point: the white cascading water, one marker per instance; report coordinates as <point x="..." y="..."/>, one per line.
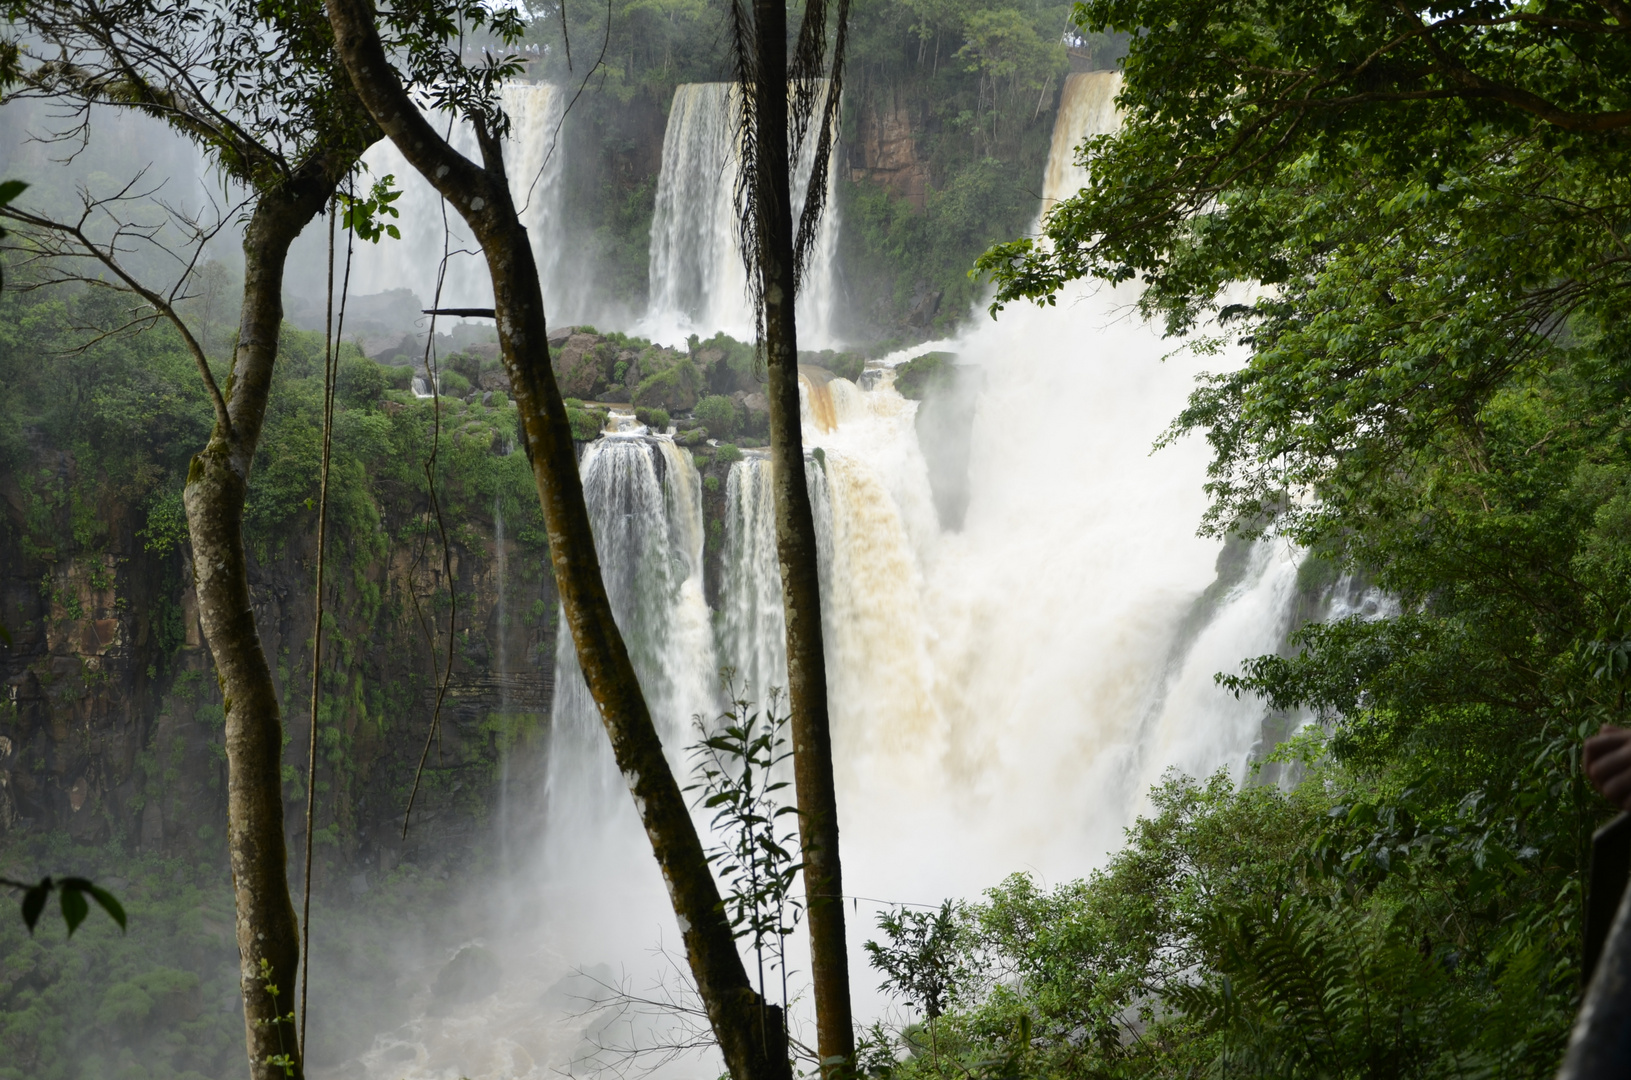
<point x="1002" y="695"/>
<point x="533" y="158"/>
<point x="697" y="278"/>
<point x="645" y="502"/>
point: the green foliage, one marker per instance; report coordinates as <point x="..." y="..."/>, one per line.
<point x="166" y="527"/>
<point x="359" y="382"/>
<point x="1225" y="938"/>
<point x="737" y="760"/>
<point x="1435" y="402"/>
<point x="727" y="454"/>
<point x="452" y="383"/>
<point x="978" y="85"/>
<point x="718" y="415"/>
<point x="731" y="365"/>
<point x="846" y="365"/>
<point x="130" y="410"/>
<point x="399" y="378"/>
<point x="366" y="216"/>
<point x="71" y="893"/>
<point x="284" y="1023"/>
<point x="919" y="960"/>
<point x="655" y="419"/>
<point x="587" y="424"/>
<point x="379" y="448"/>
<point x="903" y="254"/>
<point x="674" y="389"/>
<point x="108" y="1001"/>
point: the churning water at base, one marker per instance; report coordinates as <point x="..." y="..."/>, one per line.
<point x="1003" y="693"/>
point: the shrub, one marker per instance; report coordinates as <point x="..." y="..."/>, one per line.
<point x="359" y="381"/>
<point x="454" y="384"/>
<point x="718" y="414"/>
<point x="586" y="423"/>
<point x="655" y="419"/>
<point x="726" y="454"/>
<point x="465" y="364"/>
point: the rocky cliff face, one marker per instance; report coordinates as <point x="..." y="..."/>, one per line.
<point x="111" y="725"/>
<point x="883" y="150"/>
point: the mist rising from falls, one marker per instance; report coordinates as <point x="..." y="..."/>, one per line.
<point x="533" y="158"/>
<point x="697" y="278"/>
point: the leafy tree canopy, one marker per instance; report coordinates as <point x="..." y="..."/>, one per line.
<point x="1433" y="208"/>
<point x="1414" y="223"/>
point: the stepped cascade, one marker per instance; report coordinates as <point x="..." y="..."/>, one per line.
<point x="698" y="281"/>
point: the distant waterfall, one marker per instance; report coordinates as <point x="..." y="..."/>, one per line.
<point x="697" y="279"/>
<point x="752" y="627"/>
<point x="1087" y="106"/>
<point x="532" y="157"/>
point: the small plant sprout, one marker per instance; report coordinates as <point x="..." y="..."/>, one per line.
<point x="737" y="760"/>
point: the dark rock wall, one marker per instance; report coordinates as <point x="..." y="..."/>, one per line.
<point x="111" y="723"/>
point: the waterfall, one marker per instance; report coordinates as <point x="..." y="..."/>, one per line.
<point x="1002" y="692"/>
<point x="645" y="504"/>
<point x="533" y="158"/>
<point x="697" y="278"/>
<point x="1087" y="106"/>
<point x="1004" y="696"/>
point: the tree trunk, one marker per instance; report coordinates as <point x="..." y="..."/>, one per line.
<point x="217" y="482"/>
<point x="796" y="551"/>
<point x="750" y="1032"/>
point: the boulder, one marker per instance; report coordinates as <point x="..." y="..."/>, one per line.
<point x="923" y="312"/>
<point x="495" y="379"/>
<point x="578" y="366"/>
<point x="674" y="389"/>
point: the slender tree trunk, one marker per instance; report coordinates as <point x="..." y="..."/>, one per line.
<point x="750" y="1032"/>
<point x="217" y="482"/>
<point x="796" y="551"/>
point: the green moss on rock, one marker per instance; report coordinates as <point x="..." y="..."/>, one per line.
<point x="921" y="375"/>
<point x="674" y="389"/>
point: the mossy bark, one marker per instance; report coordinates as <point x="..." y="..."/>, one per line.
<point x="217" y="484"/>
<point x="796" y="550"/>
<point x="750" y="1032"/>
